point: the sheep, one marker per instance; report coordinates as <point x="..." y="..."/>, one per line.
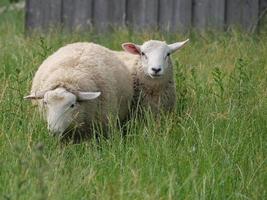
<point x="152" y="70"/>
<point x="79" y="84"/>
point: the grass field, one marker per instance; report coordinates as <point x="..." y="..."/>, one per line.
<point x="213" y="146"/>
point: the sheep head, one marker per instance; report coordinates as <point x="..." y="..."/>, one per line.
<point x="154" y="55"/>
<point x="61" y="107"/>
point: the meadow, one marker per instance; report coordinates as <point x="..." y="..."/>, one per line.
<point x="213" y="146"/>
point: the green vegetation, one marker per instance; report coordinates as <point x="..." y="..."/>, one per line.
<point x="213" y="146"/>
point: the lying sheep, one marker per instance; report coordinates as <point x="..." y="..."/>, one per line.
<point x="152" y="70"/>
<point x="79" y="84"/>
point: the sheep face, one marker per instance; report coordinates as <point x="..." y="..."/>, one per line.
<point x="62" y="108"/>
<point x="154" y="55"/>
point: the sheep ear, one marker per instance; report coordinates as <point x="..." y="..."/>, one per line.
<point x="35" y="96"/>
<point x="84" y="96"/>
<point x="131" y="48"/>
<point x="178" y="45"/>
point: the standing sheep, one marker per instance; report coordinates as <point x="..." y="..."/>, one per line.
<point x="79" y="84"/>
<point x="152" y="70"/>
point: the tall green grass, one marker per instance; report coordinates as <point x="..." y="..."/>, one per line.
<point x="212" y="147"/>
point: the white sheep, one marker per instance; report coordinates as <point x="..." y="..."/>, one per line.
<point x="152" y="70"/>
<point x="68" y="83"/>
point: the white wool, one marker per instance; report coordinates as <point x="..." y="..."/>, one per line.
<point x="152" y="73"/>
<point x="87" y="67"/>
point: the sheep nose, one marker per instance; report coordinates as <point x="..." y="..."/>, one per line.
<point x="156" y="70"/>
<point x="50" y="128"/>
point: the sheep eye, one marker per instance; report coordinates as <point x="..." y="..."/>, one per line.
<point x="168" y="54"/>
<point x="45" y="103"/>
<point x="143" y="54"/>
<point x="72" y="105"/>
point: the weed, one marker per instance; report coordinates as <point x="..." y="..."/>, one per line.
<point x="212" y="147"/>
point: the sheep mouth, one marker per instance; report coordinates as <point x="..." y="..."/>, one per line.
<point x="155" y="76"/>
<point x="61" y="135"/>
